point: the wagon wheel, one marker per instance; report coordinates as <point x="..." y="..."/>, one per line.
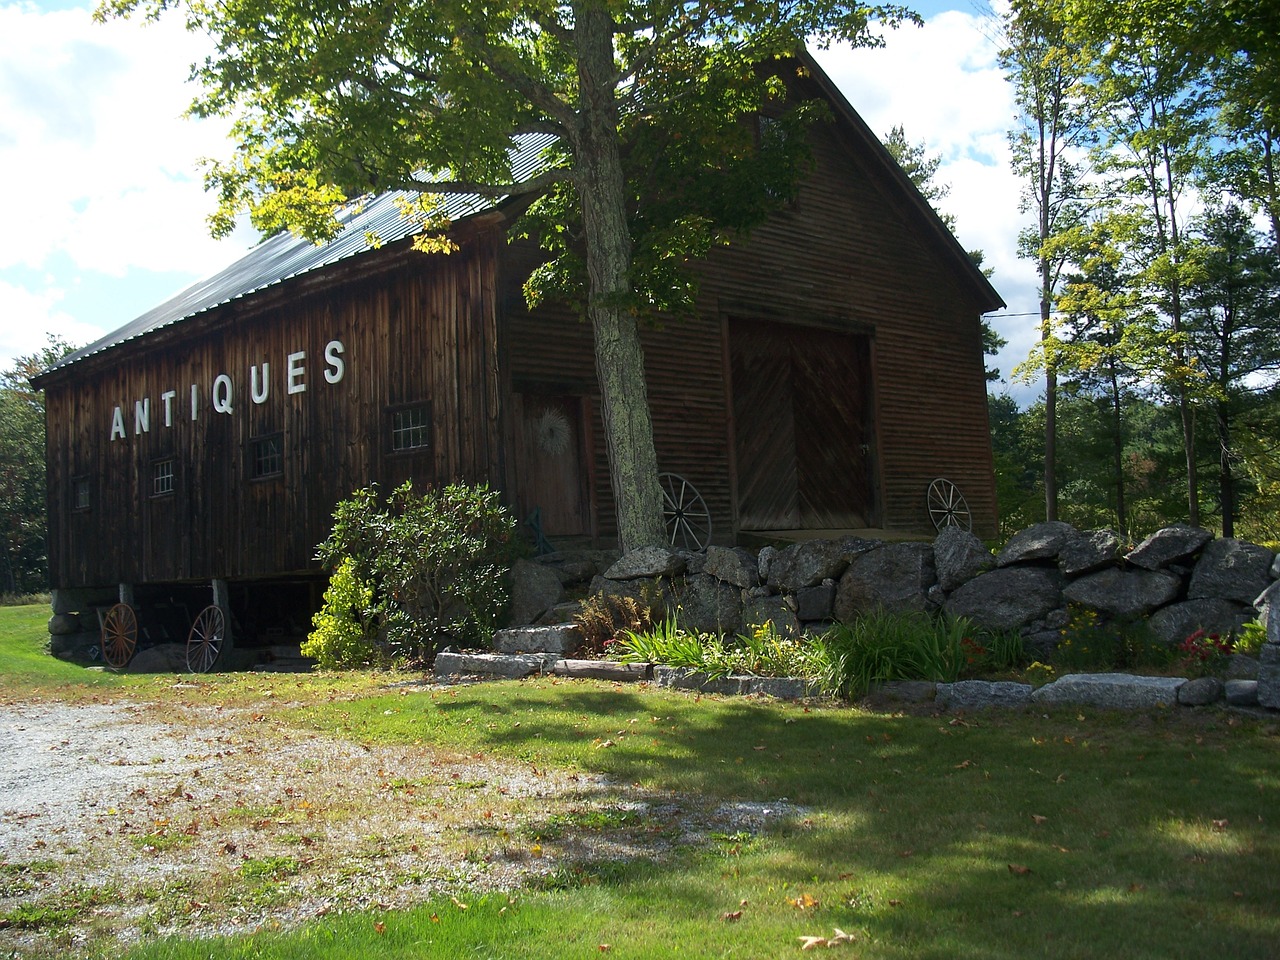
<point x="947" y="506"/>
<point x="206" y="638"/>
<point x="119" y="635"/>
<point x="686" y="515"/>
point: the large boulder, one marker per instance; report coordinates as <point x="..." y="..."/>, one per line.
<point x="1124" y="593"/>
<point x="807" y="564"/>
<point x="1040" y="541"/>
<point x="646" y="563"/>
<point x="535" y="589"/>
<point x="732" y="565"/>
<point x="1168" y="545"/>
<point x="758" y="611"/>
<point x="1269" y="675"/>
<point x="1231" y="569"/>
<point x="1172" y="624"/>
<point x="895" y="577"/>
<point x="709" y="606"/>
<point x="1089" y="551"/>
<point x="64" y="624"/>
<point x="1008" y="599"/>
<point x="959" y="556"/>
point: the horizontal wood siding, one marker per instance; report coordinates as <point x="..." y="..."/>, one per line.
<point x="850" y="253"/>
<point x="422" y="332"/>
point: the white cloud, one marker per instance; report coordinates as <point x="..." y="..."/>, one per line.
<point x="26" y="317"/>
<point x="91" y="130"/>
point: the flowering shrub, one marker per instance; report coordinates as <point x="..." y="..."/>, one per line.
<point x="1204" y="653"/>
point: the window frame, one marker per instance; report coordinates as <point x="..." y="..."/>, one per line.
<point x="158" y="476"/>
<point x="81" y="483"/>
<point x="424" y="429"/>
<point x="255" y="458"/>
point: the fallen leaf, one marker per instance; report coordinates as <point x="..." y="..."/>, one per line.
<point x="605" y="947"/>
<point x="1037" y="819"/>
<point x="1018" y="870"/>
<point x="803" y="902"/>
<point x="1221" y="824"/>
<point x="964" y="765"/>
<point x="895" y="903"/>
<point x="1137" y="887"/>
<point x="810" y="943"/>
<point x="379" y="928"/>
<point x="731" y="916"/>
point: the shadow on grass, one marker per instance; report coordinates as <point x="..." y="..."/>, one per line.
<point x="996" y="836"/>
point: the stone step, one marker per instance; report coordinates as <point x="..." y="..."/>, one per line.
<point x="560" y="639"/>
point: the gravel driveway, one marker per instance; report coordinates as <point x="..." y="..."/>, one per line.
<point x="121" y="821"/>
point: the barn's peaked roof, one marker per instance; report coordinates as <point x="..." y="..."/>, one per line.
<point x="284" y="256"/>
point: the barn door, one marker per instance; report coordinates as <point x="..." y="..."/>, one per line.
<point x="553" y="478"/>
<point x="801" y="406"/>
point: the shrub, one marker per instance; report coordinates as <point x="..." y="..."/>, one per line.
<point x="435" y="563"/>
<point x="343" y="634"/>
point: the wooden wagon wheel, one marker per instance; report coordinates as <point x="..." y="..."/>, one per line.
<point x="687" y="518"/>
<point x="947" y="506"/>
<point x="119" y="635"/>
<point x="204" y="642"/>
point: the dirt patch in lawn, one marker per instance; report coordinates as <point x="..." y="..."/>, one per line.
<point x="121" y="821"/>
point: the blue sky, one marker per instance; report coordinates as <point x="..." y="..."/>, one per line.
<point x="106" y="209"/>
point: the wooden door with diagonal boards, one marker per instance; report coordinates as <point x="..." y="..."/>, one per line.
<point x="802" y="427"/>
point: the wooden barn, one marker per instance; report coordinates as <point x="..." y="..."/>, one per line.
<point x="833" y="370"/>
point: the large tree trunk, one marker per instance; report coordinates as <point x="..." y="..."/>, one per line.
<point x="1226" y="479"/>
<point x="1117" y="453"/>
<point x="624" y="401"/>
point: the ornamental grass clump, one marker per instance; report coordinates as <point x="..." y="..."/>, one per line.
<point x="884" y="646"/>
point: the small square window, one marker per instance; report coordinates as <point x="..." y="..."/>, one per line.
<point x="267" y="457"/>
<point x="411" y="427"/>
<point x="161" y="478"/>
<point x="80" y="491"/>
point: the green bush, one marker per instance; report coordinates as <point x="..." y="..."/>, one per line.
<point x="343" y="634"/>
<point x="434" y="563"/>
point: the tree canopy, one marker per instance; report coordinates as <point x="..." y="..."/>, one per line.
<point x="646" y="100"/>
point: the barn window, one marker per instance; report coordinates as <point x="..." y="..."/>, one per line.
<point x="410" y="427"/>
<point x="267" y="457"/>
<point x="161" y="478"/>
<point x="80" y="493"/>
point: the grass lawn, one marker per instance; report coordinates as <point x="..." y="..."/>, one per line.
<point x="997" y="835"/>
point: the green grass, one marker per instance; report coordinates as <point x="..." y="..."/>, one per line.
<point x="25" y="663"/>
<point x="1065" y="834"/>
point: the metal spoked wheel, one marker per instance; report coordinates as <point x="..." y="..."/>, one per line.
<point x="687" y="518"/>
<point x="205" y="641"/>
<point x="119" y="635"/>
<point x="947" y="506"/>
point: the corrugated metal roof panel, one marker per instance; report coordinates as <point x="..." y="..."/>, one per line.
<point x="285" y="256"/>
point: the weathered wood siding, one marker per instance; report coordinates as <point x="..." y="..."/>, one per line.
<point x="420" y="331"/>
<point x="850" y="255"/>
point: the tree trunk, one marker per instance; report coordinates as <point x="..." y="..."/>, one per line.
<point x="1050" y="390"/>
<point x="1226" y="482"/>
<point x="1117" y="453"/>
<point x="624" y="401"/>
